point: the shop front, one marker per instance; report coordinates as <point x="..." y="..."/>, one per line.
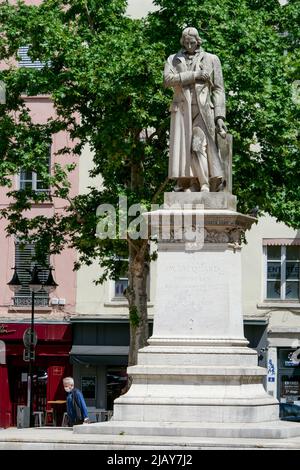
<point x="288" y="376"/>
<point x="99" y="357"/>
<point x="284" y="364"/>
<point x="51" y="364"/>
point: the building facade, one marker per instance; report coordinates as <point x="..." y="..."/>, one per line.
<point x="52" y="312"/>
<point x="83" y="328"/>
<point x="271" y="303"/>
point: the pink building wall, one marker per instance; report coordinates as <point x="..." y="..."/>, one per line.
<point x="41" y="110"/>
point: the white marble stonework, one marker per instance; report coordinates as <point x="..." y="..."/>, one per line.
<point x="197" y="373"/>
<point x="204" y="284"/>
<point x="197" y="367"/>
<point x="197" y="377"/>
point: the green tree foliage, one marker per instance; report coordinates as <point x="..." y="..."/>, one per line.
<point x="104" y="74"/>
<point x="258" y="44"/>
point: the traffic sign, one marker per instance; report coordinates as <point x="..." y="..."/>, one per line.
<point x="27" y="338"/>
<point x="27" y="354"/>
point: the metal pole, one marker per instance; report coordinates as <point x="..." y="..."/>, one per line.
<point x="30" y="376"/>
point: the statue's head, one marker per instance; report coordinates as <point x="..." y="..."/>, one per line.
<point x="190" y="39"/>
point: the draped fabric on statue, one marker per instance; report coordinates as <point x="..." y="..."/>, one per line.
<point x="210" y="97"/>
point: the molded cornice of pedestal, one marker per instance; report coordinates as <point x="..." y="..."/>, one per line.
<point x="164" y="373"/>
<point x="217" y="225"/>
<point x="220" y="200"/>
<point x="196" y="341"/>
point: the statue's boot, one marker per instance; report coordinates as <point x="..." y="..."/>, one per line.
<point x="180" y="185"/>
<point x="216" y="184"/>
<point x="194" y="186"/>
<point x="178" y="188"/>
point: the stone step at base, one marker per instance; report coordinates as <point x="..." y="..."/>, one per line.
<point x="265" y="430"/>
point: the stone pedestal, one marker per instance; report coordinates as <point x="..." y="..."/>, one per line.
<point x="197" y="377"/>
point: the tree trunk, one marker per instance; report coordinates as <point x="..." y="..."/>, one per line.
<point x="136" y="292"/>
<point x="137" y="298"/>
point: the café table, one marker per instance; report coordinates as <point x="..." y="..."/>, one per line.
<point x="56" y="404"/>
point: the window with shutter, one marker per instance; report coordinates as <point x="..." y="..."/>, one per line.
<point x="32" y="180"/>
<point x="24" y="256"/>
<point x="121" y="283"/>
<point x="283" y="272"/>
<point x="25" y="60"/>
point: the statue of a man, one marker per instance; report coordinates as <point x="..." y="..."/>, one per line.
<point x="197" y="115"/>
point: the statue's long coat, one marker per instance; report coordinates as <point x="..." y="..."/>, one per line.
<point x="211" y="103"/>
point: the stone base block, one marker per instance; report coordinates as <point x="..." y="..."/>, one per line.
<point x="207" y="412"/>
<point x="197" y="384"/>
<point x="220" y="200"/>
<point x="194" y="355"/>
<point x="268" y="430"/>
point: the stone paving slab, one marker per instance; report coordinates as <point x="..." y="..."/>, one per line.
<point x="61" y="439"/>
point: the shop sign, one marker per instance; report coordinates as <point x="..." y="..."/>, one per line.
<point x="292" y="359"/>
<point x="290" y="387"/>
<point x="289" y="357"/>
<point x="4" y="330"/>
<point x="57" y="370"/>
<point x="271" y="371"/>
<point x="295" y="357"/>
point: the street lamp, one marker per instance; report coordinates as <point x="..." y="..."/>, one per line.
<point x="35" y="285"/>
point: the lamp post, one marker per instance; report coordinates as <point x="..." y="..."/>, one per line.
<point x="35" y="285"/>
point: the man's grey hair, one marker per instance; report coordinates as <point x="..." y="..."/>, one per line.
<point x="68" y="380"/>
<point x="190" y="32"/>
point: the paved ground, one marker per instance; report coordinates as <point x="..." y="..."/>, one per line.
<point x="63" y="438"/>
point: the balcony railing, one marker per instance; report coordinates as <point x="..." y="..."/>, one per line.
<point x="26" y="301"/>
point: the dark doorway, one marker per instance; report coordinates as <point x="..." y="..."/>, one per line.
<point x="18" y="382"/>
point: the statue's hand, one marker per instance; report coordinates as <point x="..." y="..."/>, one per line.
<point x="201" y="76"/>
<point x="221" y="128"/>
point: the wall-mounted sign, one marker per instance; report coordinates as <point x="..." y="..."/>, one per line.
<point x="295" y="357"/>
<point x="290" y="387"/>
<point x="289" y="358"/>
<point x="28" y="355"/>
<point x="58" y="370"/>
<point x="271" y="371"/>
<point x="5" y="331"/>
<point x="27" y="338"/>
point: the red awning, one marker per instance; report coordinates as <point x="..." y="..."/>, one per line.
<point x="57" y="350"/>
